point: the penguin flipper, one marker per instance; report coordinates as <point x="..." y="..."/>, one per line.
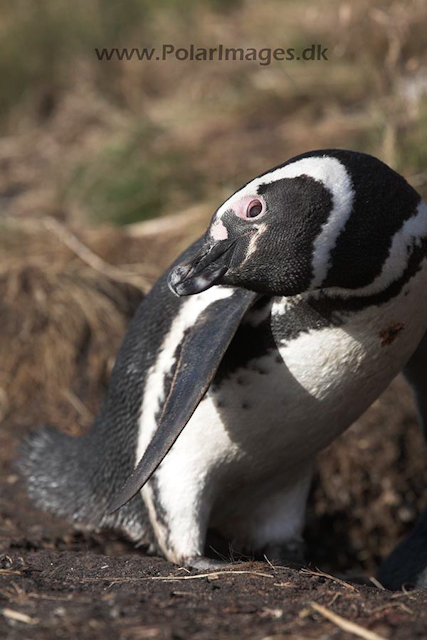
<point x="199" y="358"/>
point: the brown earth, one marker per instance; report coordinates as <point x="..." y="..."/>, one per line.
<point x="59" y="584"/>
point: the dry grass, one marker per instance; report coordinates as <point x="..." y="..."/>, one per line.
<point x="66" y="298"/>
<point x="124" y="141"/>
<point x="61" y="324"/>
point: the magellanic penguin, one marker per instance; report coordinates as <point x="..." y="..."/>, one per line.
<point x="264" y="341"/>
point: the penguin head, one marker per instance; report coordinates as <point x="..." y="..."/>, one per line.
<point x="325" y="219"/>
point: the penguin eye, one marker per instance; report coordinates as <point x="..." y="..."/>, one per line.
<point x="249" y="207"/>
<point x="254" y="209"/>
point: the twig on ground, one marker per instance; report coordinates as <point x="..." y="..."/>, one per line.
<point x="335" y="597"/>
<point x="347" y="585"/>
<point x="178" y="578"/>
<point x="18" y="616"/>
<point x="346" y="625"/>
<point x="377" y="583"/>
<point x="403" y="593"/>
<point x="390" y="605"/>
<point x="269" y="562"/>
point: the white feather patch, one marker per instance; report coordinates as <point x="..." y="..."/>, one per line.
<point x="154" y="392"/>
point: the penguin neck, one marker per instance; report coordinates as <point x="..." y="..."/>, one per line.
<point x="407" y="255"/>
<point x="327" y="308"/>
<point x="334" y="300"/>
<point x="371" y="315"/>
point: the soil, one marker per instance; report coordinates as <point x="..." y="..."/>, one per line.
<point x="56" y="583"/>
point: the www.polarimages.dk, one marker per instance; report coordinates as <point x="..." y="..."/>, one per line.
<point x="263" y="56"/>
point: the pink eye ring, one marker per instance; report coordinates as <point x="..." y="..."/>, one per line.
<point x="254" y="209"/>
<point x="250" y="207"/>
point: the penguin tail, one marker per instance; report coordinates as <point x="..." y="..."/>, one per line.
<point x="63" y="478"/>
<point x="49" y="464"/>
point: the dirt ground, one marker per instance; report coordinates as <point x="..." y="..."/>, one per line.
<point x="56" y="583"/>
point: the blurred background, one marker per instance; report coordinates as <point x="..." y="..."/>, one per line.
<point x="109" y="168"/>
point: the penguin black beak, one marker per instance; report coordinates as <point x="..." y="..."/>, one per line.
<point x="204" y="270"/>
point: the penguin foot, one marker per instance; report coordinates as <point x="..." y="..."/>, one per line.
<point x="291" y="553"/>
<point x="205" y="564"/>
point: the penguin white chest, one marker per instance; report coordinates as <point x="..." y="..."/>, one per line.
<point x="282" y="407"/>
